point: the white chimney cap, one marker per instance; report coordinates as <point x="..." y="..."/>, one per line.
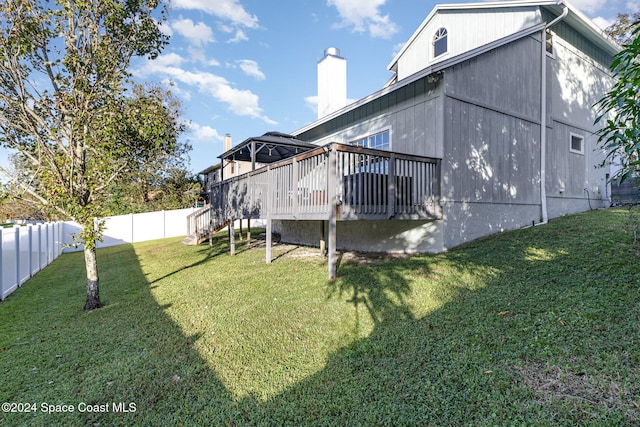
<point x="333" y="51"/>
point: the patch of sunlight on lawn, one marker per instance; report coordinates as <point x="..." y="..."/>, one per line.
<point x="262" y="328"/>
<point x="540" y="254"/>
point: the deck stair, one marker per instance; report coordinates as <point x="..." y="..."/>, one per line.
<point x="201" y="224"/>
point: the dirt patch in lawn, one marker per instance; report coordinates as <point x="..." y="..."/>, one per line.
<point x="554" y="385"/>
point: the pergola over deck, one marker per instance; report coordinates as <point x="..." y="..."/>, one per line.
<point x="335" y="182"/>
<point x="268" y="148"/>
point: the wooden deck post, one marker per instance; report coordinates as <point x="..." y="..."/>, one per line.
<point x="269" y="205"/>
<point x="333" y="207"/>
<point x="323" y="239"/>
<point x="210" y="234"/>
<point x="232" y="238"/>
<point x="268" y="236"/>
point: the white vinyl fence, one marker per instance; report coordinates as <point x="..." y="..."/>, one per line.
<point x="25" y="250"/>
<point x="134" y="228"/>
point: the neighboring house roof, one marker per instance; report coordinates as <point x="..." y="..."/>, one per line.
<point x="270" y="147"/>
<point x="210" y="169"/>
<point x="574" y="18"/>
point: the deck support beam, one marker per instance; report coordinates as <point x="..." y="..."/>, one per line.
<point x="323" y="239"/>
<point x="268" y="237"/>
<point x="232" y="238"/>
<point x="333" y="211"/>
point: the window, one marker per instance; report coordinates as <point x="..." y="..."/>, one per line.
<point x="379" y="141"/>
<point x="577" y="144"/>
<point x="369" y="163"/>
<point x="549" y="43"/>
<point x="440" y="42"/>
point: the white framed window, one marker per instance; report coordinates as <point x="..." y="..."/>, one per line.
<point x="576" y="143"/>
<point x="440" y="42"/>
<point x="380" y="140"/>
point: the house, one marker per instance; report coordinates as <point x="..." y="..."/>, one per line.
<point x="486" y="125"/>
<point x="216" y="173"/>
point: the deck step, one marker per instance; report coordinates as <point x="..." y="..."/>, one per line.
<point x="196" y="239"/>
<point x="190" y="240"/>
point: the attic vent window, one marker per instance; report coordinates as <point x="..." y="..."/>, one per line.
<point x="549" y="43"/>
<point x="440" y="42"/>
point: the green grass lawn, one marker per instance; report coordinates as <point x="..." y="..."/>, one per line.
<point x="539" y="326"/>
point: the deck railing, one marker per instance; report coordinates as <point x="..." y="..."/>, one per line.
<point x="364" y="184"/>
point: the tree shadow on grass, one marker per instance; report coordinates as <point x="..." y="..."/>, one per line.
<point x="128" y="356"/>
<point x="526" y="330"/>
<point x="535" y="329"/>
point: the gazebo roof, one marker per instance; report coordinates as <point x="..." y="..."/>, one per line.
<point x="270" y="147"/>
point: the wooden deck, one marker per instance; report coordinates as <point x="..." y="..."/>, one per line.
<point x="336" y="182"/>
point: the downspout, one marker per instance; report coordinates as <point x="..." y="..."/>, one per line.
<point x="543" y="115"/>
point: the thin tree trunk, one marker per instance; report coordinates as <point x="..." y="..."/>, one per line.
<point x="93" y="292"/>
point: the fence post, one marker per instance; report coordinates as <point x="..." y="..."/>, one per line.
<point x="1" y="268"/>
<point x="16" y="230"/>
<point x="39" y="247"/>
<point x="30" y="231"/>
<point x="57" y="237"/>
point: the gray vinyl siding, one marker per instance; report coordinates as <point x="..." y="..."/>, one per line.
<point x="489" y="25"/>
<point x="490" y="157"/>
<point x="577" y="40"/>
<point x="492" y="130"/>
<point x="506" y="79"/>
<point x="412" y="113"/>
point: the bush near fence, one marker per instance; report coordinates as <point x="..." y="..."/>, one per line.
<point x="25" y="250"/>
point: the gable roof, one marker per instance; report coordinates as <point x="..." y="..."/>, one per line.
<point x="575" y="18"/>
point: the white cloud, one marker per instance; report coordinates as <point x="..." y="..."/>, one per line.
<point x="633" y="6"/>
<point x="364" y="15"/>
<point x="251" y="68"/>
<point x="312" y="103"/>
<point x="240" y="102"/>
<point x="204" y="133"/>
<point x="230" y="10"/>
<point x="588" y="6"/>
<point x="197" y="34"/>
<point x="183" y="95"/>
<point x="240" y="36"/>
<point x="168" y="59"/>
<point x="603" y="23"/>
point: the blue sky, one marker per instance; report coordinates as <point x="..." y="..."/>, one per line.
<point x="245" y="67"/>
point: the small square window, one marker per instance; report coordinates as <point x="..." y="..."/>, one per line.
<point x="577" y="144"/>
<point x="549" y="43"/>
